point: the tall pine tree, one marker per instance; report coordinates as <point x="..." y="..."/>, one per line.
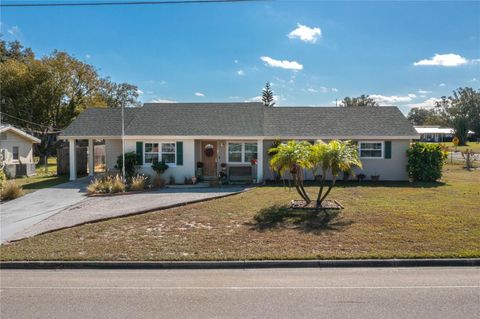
<point x="267" y="95"/>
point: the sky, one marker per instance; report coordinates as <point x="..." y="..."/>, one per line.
<point x="313" y="52"/>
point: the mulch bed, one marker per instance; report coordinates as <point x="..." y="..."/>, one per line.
<point x="327" y="204"/>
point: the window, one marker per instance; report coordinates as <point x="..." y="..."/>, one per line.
<point x="241" y="152"/>
<point x="155" y="152"/>
<point x="15" y="153"/>
<point x="235" y="152"/>
<point x="151" y="153"/>
<point x="371" y="149"/>
<point x="250" y="152"/>
<point x="168" y="153"/>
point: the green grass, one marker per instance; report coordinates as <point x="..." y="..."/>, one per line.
<point x="384" y="220"/>
<point x="42" y="179"/>
<point x="470" y="145"/>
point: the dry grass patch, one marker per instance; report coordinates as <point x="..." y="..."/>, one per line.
<point x="397" y="220"/>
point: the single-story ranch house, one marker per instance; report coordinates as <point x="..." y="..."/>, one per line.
<point x="227" y="136"/>
<point x="16" y="147"/>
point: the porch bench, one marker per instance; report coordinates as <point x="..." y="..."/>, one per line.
<point x="241" y="174"/>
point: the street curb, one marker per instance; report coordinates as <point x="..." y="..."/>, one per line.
<point x="253" y="264"/>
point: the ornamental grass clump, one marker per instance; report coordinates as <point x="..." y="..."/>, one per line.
<point x="10" y="190"/>
<point x="107" y="184"/>
<point x="139" y="182"/>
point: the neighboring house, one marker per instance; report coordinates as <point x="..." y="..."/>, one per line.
<point x="17" y="151"/>
<point x="226" y="136"/>
<point x="435" y="133"/>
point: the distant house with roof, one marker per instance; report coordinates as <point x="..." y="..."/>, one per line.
<point x="16" y="147"/>
<point x="225" y="137"/>
<point x="435" y="133"/>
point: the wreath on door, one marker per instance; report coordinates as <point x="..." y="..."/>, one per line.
<point x="209" y="150"/>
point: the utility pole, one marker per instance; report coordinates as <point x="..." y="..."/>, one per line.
<point x="123" y="141"/>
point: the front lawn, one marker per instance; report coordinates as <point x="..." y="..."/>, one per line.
<point x="396" y="220"/>
<point x="42" y="179"/>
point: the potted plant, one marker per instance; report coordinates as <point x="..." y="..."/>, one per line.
<point x="361" y="177"/>
<point x="318" y="177"/>
<point x="199" y="169"/>
<point x="159" y="167"/>
<point x="254" y="162"/>
<point x="375" y="177"/>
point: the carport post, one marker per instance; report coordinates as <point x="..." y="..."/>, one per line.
<point x="91" y="163"/>
<point x="72" y="159"/>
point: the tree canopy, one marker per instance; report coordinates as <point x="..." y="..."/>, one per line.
<point x="44" y="95"/>
<point x="362" y="100"/>
<point x="267" y="95"/>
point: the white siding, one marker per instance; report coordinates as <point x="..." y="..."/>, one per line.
<point x="179" y="172"/>
<point x="25" y="148"/>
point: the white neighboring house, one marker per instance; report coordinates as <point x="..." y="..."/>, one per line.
<point x="435" y="133"/>
<point x="16" y="147"/>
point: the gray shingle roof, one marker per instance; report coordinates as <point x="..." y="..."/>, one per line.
<point x="336" y="121"/>
<point x="241" y="119"/>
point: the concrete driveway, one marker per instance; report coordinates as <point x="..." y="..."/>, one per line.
<point x="20" y="214"/>
<point x="90" y="209"/>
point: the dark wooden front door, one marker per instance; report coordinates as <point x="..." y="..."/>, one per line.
<point x="209" y="158"/>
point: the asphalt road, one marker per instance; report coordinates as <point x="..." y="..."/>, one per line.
<point x="266" y="293"/>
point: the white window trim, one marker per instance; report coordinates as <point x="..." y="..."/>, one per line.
<point x="382" y="149"/>
<point x="242" y="153"/>
<point x="16" y="160"/>
<point x="170" y="165"/>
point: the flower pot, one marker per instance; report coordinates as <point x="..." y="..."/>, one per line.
<point x="199" y="172"/>
<point x="375" y="178"/>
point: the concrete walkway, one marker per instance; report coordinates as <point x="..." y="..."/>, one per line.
<point x="19" y="214"/>
<point x="103" y="207"/>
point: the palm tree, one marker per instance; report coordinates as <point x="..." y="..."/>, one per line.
<point x="292" y="157"/>
<point x="338" y="157"/>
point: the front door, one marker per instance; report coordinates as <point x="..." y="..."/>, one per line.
<point x="209" y="158"/>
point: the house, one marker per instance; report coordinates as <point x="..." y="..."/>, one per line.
<point x="16" y="148"/>
<point x="226" y="136"/>
<point x="435" y="133"/>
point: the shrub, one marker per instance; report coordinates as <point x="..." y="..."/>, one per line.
<point x="158" y="181"/>
<point x="425" y="161"/>
<point x="11" y="191"/>
<point x="139" y="183"/>
<point x="159" y="167"/>
<point x="130" y="162"/>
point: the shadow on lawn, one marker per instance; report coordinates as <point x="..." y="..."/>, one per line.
<point x="305" y="220"/>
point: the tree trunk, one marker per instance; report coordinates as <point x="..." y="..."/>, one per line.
<point x="328" y="190"/>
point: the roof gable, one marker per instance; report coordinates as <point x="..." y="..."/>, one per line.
<point x="31" y="138"/>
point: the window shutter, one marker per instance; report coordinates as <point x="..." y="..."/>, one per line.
<point x="139" y="153"/>
<point x="180" y="153"/>
<point x="388" y="149"/>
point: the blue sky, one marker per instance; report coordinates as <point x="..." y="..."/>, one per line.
<point x="313" y="52"/>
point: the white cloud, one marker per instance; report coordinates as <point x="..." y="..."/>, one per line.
<point x="160" y="100"/>
<point x="15" y="31"/>
<point x="235" y="61"/>
<point x="276" y="98"/>
<point x="305" y="33"/>
<point x="284" y="64"/>
<point x="424" y="91"/>
<point x="448" y="60"/>
<point x="427" y="104"/>
<point x="199" y="94"/>
<point x="87" y="56"/>
<point x="139" y="91"/>
<point x="392" y="99"/>
<point x="473" y="80"/>
<point x="442" y="84"/>
<point x="240" y="72"/>
<point x="322" y="89"/>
